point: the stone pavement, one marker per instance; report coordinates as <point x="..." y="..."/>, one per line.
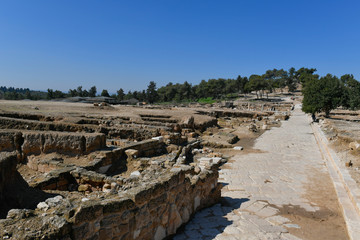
<point x="257" y="183"/>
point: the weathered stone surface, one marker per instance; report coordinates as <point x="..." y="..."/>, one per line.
<point x="132" y="153"/>
<point x="282" y="117"/>
<point x="188" y="122"/>
<point x="354" y="146"/>
<point x="31" y="142"/>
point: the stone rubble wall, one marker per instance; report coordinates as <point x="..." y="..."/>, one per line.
<point x="34" y="142"/>
<point x="154" y="209"/>
<point x="150" y="211"/>
<point x="136" y="132"/>
<point x="59" y="177"/>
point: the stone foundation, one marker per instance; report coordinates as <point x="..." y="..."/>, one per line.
<point x="31" y="142"/>
<point x="150" y="210"/>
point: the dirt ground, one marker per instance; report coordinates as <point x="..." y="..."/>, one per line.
<point x="324" y="224"/>
<point x="75" y="110"/>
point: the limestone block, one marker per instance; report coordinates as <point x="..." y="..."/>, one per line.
<point x="188" y="121"/>
<point x="238" y="148"/>
<point x="265" y="127"/>
<point x="132" y="153"/>
<point x="160" y="138"/>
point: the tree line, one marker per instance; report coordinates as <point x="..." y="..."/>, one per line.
<point x="320" y="93"/>
<point x="11" y="93"/>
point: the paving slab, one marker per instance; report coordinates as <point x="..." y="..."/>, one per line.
<point x="259" y="183"/>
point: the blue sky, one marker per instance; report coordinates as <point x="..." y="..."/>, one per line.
<point x="126" y="44"/>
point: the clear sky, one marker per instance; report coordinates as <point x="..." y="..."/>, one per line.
<point x="125" y="44"/>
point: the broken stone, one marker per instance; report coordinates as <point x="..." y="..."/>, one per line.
<point x="253" y="127"/>
<point x="132" y="153"/>
<point x="42" y="206"/>
<point x="188" y="121"/>
<point x="84" y="187"/>
<point x="53" y="202"/>
<point x="160" y="138"/>
<point x="233" y="139"/>
<point x="238" y="148"/>
<point x="135" y="174"/>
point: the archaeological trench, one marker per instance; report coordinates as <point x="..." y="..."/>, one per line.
<point x="115" y="172"/>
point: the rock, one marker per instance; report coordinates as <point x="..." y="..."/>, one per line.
<point x="19" y="213"/>
<point x="53" y="202"/>
<point x="42" y="206"/>
<point x="132" y="153"/>
<point x="188" y="121"/>
<point x="233" y="139"/>
<point x="265" y="127"/>
<point x="238" y="148"/>
<point x="114" y="185"/>
<point x="282" y="117"/>
<point x="172" y="148"/>
<point x="159" y="138"/>
<point x="135" y="174"/>
<point x="85" y="199"/>
<point x="215" y="154"/>
<point x="84" y="187"/>
<point x="253" y="127"/>
<point x="192" y="135"/>
<point x="177" y="128"/>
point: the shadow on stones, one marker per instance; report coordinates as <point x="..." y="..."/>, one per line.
<point x="17" y="194"/>
<point x="209" y="222"/>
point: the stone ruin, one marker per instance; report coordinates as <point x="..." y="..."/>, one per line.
<point x="98" y="177"/>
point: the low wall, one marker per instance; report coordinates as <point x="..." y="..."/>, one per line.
<point x="34" y="142"/>
<point x="151" y="211"/>
<point x="154" y="209"/>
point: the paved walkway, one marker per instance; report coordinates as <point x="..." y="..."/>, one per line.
<point x="257" y="183"/>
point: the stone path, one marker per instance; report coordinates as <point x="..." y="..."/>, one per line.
<point x="257" y="184"/>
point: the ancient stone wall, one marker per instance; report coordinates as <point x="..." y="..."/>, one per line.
<point x="31" y="142"/>
<point x="151" y="210"/>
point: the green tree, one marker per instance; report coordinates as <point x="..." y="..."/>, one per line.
<point x="351" y="97"/>
<point x="72" y="93"/>
<point x="50" y="94"/>
<point x="303" y="75"/>
<point x="120" y="94"/>
<point x="290" y="81"/>
<point x="58" y="94"/>
<point x="105" y="93"/>
<point x="241" y="83"/>
<point x="257" y="83"/>
<point x="79" y="91"/>
<point x="151" y="93"/>
<point x="28" y="95"/>
<point x="92" y="91"/>
<point x="322" y="95"/>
